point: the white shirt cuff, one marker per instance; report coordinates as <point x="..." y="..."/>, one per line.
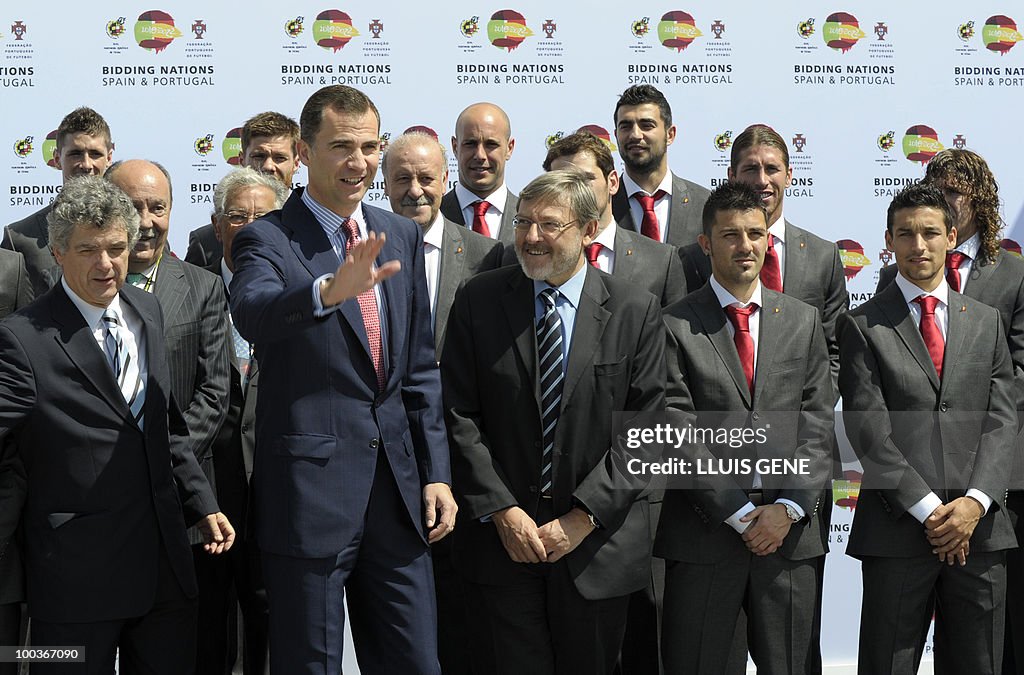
<point x="790" y="502"/>
<point x="733" y="521"/>
<point x="983" y="499"/>
<point x="924" y="508"/>
<point x="318" y="304"/>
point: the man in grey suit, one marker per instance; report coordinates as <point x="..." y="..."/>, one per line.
<point x="83" y="148"/>
<point x="743" y="357"/>
<point x="194" y="307"/>
<point x="797" y="262"/>
<point x="481" y="201"/>
<point x="415" y="172"/>
<point x="654" y="201"/>
<point x="927" y="384"/>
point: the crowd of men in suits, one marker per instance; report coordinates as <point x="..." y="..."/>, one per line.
<point x="476" y="358"/>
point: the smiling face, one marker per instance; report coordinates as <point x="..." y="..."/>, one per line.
<point x="642" y="138"/>
<point x="736" y="248"/>
<point x="553" y="258"/>
<point x="415" y="178"/>
<point x="83" y="155"/>
<point x="342" y="159"/>
<point x="147" y="187"/>
<point x="95" y="262"/>
<point x="920" y="241"/>
<point x="763" y="168"/>
<point x="482" y="144"/>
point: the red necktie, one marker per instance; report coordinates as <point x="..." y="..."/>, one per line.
<point x="368" y="307"/>
<point x="771" y="271"/>
<point x="953" y="261"/>
<point x="649" y="227"/>
<point x="930" y="330"/>
<point x="740" y="317"/>
<point x="479" y="224"/>
<point x="593" y="251"/>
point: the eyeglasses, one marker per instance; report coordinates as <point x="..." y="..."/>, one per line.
<point x="241" y="218"/>
<point x="548" y="227"/>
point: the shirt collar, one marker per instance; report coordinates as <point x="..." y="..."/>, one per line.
<point x="725" y="298"/>
<point x="912" y="292"/>
<point x="571" y="290"/>
<point x="496" y="199"/>
<point x="632" y="188"/>
<point x="435" y="234"/>
<point x="778" y="230"/>
<point x="93" y="315"/>
<point x="330" y="221"/>
<point x="149" y="271"/>
<point x="970" y="247"/>
<point x="607" y="237"/>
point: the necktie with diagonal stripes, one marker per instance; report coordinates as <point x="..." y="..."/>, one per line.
<point x="124" y="365"/>
<point x="549" y="352"/>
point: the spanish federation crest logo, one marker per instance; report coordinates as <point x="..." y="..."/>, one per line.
<point x="887" y="142"/>
<point x="551" y="139"/>
<point x="385" y="141"/>
<point x="116" y="27"/>
<point x="966" y="31"/>
<point x="470" y="26"/>
<point x="805" y="29"/>
<point x="959" y="142"/>
<point x="203" y="145"/>
<point x="723" y="141"/>
<point x="294" y="27"/>
<point x="199" y="28"/>
<point x="23" y="147"/>
<point x="641" y="27"/>
<point x="799" y="142"/>
<point x="376" y="28"/>
<point x="18" y="29"/>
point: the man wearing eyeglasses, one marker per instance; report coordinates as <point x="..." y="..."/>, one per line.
<point x="536" y="359"/>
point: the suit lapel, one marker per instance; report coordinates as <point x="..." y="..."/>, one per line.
<point x="453" y="262"/>
<point x="620" y="210"/>
<point x="957" y="317"/>
<point x="982" y="273"/>
<point x="893" y="305"/>
<point x="796" y="262"/>
<point x="772" y="324"/>
<point x="518" y="303"/>
<point x="677" y="214"/>
<point x="714" y="320"/>
<point x="626" y="261"/>
<point x="450" y="208"/>
<point x="170" y="288"/>
<point x="591" y="318"/>
<point x="507" y="234"/>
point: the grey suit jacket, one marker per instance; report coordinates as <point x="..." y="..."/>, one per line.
<point x="204" y="249"/>
<point x="464" y="253"/>
<point x="814" y="274"/>
<point x="916" y="434"/>
<point x="15" y="287"/>
<point x="684" y="215"/>
<point x="507" y="236"/>
<point x="792" y="395"/>
<point x="31" y="238"/>
<point x="197" y="334"/>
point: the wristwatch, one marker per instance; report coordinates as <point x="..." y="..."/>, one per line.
<point x="792" y="513"/>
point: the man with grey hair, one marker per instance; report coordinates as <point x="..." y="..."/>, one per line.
<point x="240" y="198"/>
<point x="536" y="357"/>
<point x="106" y="476"/>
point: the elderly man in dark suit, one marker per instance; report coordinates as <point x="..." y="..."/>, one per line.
<point x="84" y="148"/>
<point x="742" y="356"/>
<point x="106" y="476"/>
<point x="926" y="381"/>
<point x="555" y="536"/>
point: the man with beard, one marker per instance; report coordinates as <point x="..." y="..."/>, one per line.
<point x="653" y="201"/>
<point x="556" y="535"/>
<point x="482" y="144"/>
<point x="83" y="148"/>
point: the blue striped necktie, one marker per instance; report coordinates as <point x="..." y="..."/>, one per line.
<point x="123" y="365"/>
<point x="549" y="352"/>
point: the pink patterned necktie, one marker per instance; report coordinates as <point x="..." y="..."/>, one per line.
<point x="368" y="307"/>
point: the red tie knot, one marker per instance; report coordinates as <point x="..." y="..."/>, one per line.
<point x="954" y="259"/>
<point x="351" y="230"/>
<point x="593" y="251"/>
<point x="647" y="201"/>
<point x="928" y="303"/>
<point x="480" y="208"/>
<point x="740" y="316"/>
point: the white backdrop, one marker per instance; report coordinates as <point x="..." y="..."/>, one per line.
<point x="864" y="92"/>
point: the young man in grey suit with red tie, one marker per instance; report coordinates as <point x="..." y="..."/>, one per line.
<point x="742" y="357"/>
<point x="927" y="384"/>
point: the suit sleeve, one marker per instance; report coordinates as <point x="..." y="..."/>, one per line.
<point x="24" y="294"/>
<point x="1015" y="338"/>
<point x="195" y="254"/>
<point x="994" y="458"/>
<point x="609" y="490"/>
<point x="194" y="490"/>
<point x="675" y="280"/>
<point x="17" y="396"/>
<point x="837" y="301"/>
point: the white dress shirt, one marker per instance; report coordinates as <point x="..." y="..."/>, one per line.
<point x="969" y="248"/>
<point x="661" y="206"/>
<point x="778" y="231"/>
<point x="432" y="239"/>
<point x="496" y="199"/>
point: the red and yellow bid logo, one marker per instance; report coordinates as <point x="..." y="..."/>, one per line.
<point x="921" y="143"/>
<point x="507" y="29"/>
<point x="155" y="30"/>
<point x="1000" y="34"/>
<point x="841" y="31"/>
<point x="601" y="133"/>
<point x="677" y="30"/>
<point x="846" y="490"/>
<point x="49" y="149"/>
<point x="1011" y="247"/>
<point x="852" y="255"/>
<point x="231" y="147"/>
<point x="333" y="29"/>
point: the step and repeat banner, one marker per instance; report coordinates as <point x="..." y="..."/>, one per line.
<point x="865" y="93"/>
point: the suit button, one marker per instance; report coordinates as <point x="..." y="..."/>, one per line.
<point x="534" y="490"/>
<point x="755" y="416"/>
<point x="943" y="407"/>
<point x="536" y="444"/>
<point x="374" y="443"/>
<point x="245" y="428"/>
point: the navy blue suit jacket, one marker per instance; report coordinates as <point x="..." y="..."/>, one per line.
<point x="320" y="420"/>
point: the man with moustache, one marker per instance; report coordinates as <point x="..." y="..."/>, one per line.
<point x="194" y="307"/>
<point x="653" y="201"/>
<point x="926" y="381"/>
<point x="797" y="262"/>
<point x="270" y="146"/>
<point x="84" y="148"/>
<point x="556" y="533"/>
<point x="481" y="201"/>
<point x="415" y="174"/>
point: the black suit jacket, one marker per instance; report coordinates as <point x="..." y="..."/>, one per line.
<point x="507" y="235"/>
<point x="101" y="495"/>
<point x="684" y="214"/>
<point x="616" y="362"/>
<point x="204" y="249"/>
<point x="464" y="253"/>
<point x="30" y="237"/>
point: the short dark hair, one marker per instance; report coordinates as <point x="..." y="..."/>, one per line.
<point x="731" y="196"/>
<point x="271" y="124"/>
<point x="83" y="121"/>
<point x="919" y="195"/>
<point x="757" y="134"/>
<point x="640" y="94"/>
<point x="340" y="99"/>
<point x="581" y="141"/>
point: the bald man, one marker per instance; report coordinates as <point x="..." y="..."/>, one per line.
<point x="482" y="144"/>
